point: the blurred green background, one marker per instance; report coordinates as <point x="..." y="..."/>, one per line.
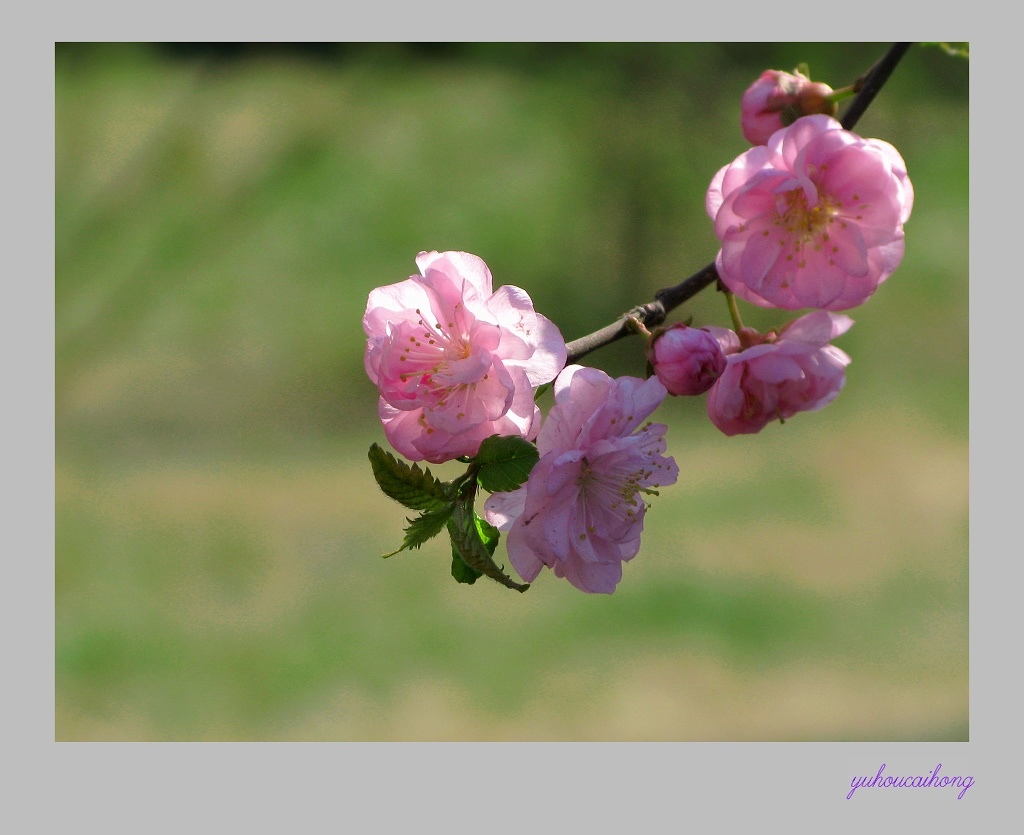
<point x="223" y="210"/>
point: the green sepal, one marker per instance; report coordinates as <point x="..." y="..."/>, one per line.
<point x="407" y="484"/>
<point x="423" y="527"/>
<point x="504" y="462"/>
<point x="473" y="542"/>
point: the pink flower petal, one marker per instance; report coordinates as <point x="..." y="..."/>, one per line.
<point x="584" y="509"/>
<point x="812" y="219"/>
<point x="454" y="362"/>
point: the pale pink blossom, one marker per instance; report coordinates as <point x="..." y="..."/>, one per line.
<point x="777" y="99"/>
<point x="775" y="376"/>
<point x="581" y="511"/>
<point x="812" y="219"/>
<point x="686" y="360"/>
<point x="455" y="362"/>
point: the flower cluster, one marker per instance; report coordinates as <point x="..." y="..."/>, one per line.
<point x="811" y="217"/>
<point x="455" y="364"/>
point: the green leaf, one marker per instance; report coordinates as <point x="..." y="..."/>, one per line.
<point x="423" y="527"/>
<point x="468" y="532"/>
<point x="504" y="462"/>
<point x="462" y="572"/>
<point x="489" y="535"/>
<point x="407" y="484"/>
<point x="959" y="49"/>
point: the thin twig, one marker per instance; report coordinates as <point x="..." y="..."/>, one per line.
<point x="871" y="82"/>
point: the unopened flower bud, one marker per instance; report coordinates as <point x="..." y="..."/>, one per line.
<point x="686" y="360"/>
<point x="777" y="99"/>
<point x="814" y="98"/>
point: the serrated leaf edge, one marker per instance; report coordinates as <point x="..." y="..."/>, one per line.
<point x="428" y="493"/>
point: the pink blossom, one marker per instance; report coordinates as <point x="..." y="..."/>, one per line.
<point x="580" y="512"/>
<point x="686" y="360"/>
<point x="812" y="219"/>
<point x="777" y="99"/>
<point x="776" y="376"/>
<point x="455" y="362"/>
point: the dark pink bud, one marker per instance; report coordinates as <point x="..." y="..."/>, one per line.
<point x="777" y="99"/>
<point x="686" y="360"/>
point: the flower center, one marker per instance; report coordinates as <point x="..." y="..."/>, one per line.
<point x="613" y="489"/>
<point x="806" y="223"/>
<point x="431" y="349"/>
<point x="440" y="366"/>
<point x="613" y="486"/>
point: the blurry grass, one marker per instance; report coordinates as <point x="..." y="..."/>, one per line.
<point x="217" y="600"/>
<point x="218" y="531"/>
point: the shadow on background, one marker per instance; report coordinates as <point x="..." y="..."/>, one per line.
<point x="223" y="210"/>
